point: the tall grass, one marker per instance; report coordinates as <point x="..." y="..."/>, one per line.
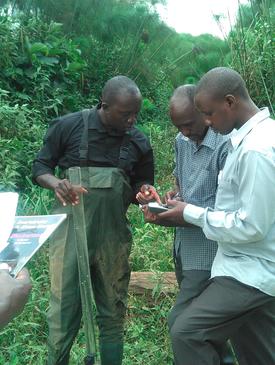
<point x="252" y="49"/>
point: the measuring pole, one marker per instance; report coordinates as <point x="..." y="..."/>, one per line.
<point x="86" y="290"/>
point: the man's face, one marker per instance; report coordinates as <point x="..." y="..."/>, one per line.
<point x="121" y="113"/>
<point x="188" y="120"/>
<point x="217" y="114"/>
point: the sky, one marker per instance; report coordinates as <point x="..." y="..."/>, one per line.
<point x="196" y="16"/>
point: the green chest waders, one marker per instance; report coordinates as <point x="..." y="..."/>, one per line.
<point x="109" y="241"/>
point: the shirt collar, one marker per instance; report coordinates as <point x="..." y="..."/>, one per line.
<point x="241" y="133"/>
<point x="96" y="123"/>
<point x="210" y="140"/>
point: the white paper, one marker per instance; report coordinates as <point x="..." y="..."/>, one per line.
<point x="8" y="205"/>
<point x="28" y="235"/>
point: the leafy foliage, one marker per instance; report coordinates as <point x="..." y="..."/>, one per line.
<point x="20" y="134"/>
<point x="40" y="67"/>
<point x="252" y="46"/>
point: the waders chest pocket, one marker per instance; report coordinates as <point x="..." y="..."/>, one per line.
<point x="101" y="181"/>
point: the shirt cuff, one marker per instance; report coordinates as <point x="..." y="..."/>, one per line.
<point x="194" y="215"/>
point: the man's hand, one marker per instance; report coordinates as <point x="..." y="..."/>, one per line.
<point x="149" y="216"/>
<point x="67" y="193"/>
<point x="173" y="217"/>
<point x="147" y="194"/>
<point x="173" y="194"/>
<point x="14" y="294"/>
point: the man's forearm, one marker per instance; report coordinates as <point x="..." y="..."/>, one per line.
<point x="48" y="181"/>
<point x="64" y="191"/>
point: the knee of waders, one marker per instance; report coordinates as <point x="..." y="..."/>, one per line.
<point x="111" y="323"/>
<point x="111" y="331"/>
<point x="59" y="345"/>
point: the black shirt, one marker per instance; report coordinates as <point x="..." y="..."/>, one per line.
<point x="62" y="141"/>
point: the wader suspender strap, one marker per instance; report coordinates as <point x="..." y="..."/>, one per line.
<point x="84" y="145"/>
<point x="124" y="151"/>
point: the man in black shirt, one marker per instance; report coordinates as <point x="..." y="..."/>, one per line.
<point x="116" y="159"/>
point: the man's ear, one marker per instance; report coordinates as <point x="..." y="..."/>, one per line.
<point x="231" y="101"/>
<point x="104" y="106"/>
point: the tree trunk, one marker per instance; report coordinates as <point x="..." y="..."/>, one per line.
<point x="144" y="282"/>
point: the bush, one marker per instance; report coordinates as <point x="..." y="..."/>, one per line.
<point x="252" y="46"/>
<point x="21" y="133"/>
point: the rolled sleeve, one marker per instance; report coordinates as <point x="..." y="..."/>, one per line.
<point x="144" y="171"/>
<point x="47" y="158"/>
<point x="252" y="221"/>
<point x="194" y="215"/>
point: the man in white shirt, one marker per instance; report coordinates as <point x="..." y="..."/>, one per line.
<point x="240" y="298"/>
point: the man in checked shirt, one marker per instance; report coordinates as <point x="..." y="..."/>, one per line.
<point x="200" y="154"/>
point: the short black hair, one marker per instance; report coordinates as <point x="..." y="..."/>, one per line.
<point x="119" y="85"/>
<point x="184" y="91"/>
<point x="222" y="81"/>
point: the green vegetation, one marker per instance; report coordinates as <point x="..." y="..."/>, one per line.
<point x="252" y="50"/>
<point x="55" y="58"/>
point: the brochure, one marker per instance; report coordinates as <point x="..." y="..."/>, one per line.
<point x="27" y="236"/>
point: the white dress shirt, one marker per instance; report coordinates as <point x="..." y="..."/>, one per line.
<point x="243" y="220"/>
